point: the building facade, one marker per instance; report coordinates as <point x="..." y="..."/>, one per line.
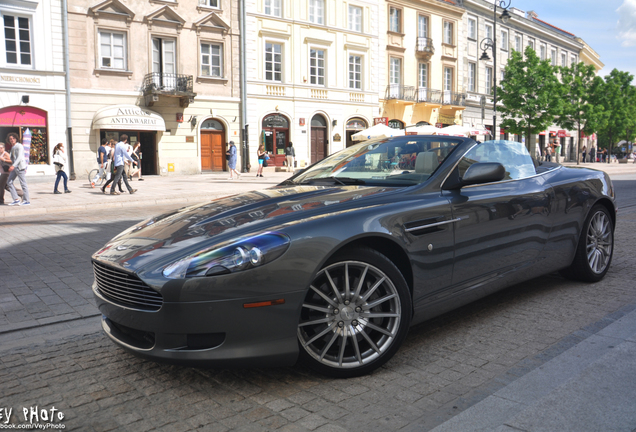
<point x="311" y="75"/>
<point x="32" y="84"/>
<point x="165" y="73"/>
<point x="524" y="29"/>
<point x="422" y="79"/>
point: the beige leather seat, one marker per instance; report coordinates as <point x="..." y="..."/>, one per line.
<point x="426" y="162"/>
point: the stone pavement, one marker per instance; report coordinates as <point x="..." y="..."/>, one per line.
<point x="154" y="190"/>
<point x="548" y="354"/>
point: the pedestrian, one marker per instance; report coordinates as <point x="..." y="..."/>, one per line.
<point x="291" y="156"/>
<point x="119" y="159"/>
<point x="592" y="154"/>
<point x="111" y="156"/>
<point x="101" y="160"/>
<point x="557" y="151"/>
<point x="262" y="154"/>
<point x="17" y="169"/>
<point x="231" y="161"/>
<point x="584" y="154"/>
<point x="59" y="160"/>
<point x="548" y="153"/>
<point x="5" y="163"/>
<point x="136" y="155"/>
<point x="128" y="166"/>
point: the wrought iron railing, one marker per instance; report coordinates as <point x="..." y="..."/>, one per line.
<point x="168" y="84"/>
<point x="425" y="94"/>
<point x="425" y="45"/>
<point x="453" y="98"/>
<point x="400" y="92"/>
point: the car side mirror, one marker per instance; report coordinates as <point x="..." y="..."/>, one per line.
<point x="484" y="172"/>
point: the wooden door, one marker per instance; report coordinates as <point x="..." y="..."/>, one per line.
<point x="318" y="148"/>
<point x="212" y="151"/>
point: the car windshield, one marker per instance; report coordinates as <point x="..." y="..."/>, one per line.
<point x="398" y="161"/>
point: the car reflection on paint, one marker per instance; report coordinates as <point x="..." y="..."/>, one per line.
<point x="333" y="266"/>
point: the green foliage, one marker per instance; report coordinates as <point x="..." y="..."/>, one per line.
<point x="580" y="88"/>
<point x="617" y="96"/>
<point x="530" y="93"/>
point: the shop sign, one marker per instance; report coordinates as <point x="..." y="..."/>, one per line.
<point x="301" y="121"/>
<point x="17" y="79"/>
<point x="275" y="121"/>
<point x="356" y="124"/>
<point x="128" y="117"/>
<point x="337" y="138"/>
<point x="543" y="133"/>
<point x="189" y="138"/>
<point x="17" y="116"/>
<point x="562" y="133"/>
<point x="439" y="125"/>
<point x="381" y="120"/>
<point x="445" y="119"/>
<point x="396" y="124"/>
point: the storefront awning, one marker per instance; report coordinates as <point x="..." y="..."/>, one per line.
<point x="128" y="117"/>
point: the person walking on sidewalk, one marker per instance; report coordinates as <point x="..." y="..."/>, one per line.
<point x="59" y="160"/>
<point x="111" y="169"/>
<point x="290" y="156"/>
<point x="119" y="159"/>
<point x="136" y="155"/>
<point x="101" y="160"/>
<point x="231" y="161"/>
<point x="17" y="169"/>
<point x="5" y="163"/>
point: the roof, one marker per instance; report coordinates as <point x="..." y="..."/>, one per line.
<point x="553" y="27"/>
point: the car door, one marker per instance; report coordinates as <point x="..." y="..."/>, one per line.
<point x="428" y="236"/>
<point x="504" y="226"/>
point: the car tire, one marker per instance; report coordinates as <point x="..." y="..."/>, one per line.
<point x="356" y="314"/>
<point x="596" y="245"/>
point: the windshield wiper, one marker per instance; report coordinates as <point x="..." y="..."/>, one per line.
<point x="343" y="181"/>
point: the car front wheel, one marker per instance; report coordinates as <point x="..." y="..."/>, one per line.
<point x="596" y="246"/>
<point x="356" y="314"/>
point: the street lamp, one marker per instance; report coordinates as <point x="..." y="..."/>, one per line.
<point x="488" y="43"/>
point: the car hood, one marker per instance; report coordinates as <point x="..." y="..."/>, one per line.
<point x="189" y="229"/>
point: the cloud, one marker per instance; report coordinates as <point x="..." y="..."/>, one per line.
<point x="627" y="23"/>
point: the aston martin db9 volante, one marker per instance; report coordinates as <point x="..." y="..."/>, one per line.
<point x="332" y="266"/>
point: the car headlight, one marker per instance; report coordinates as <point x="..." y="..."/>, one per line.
<point x="240" y="255"/>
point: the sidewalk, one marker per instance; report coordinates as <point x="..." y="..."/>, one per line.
<point x="177" y="189"/>
<point x="154" y="190"/>
<point x="611" y="169"/>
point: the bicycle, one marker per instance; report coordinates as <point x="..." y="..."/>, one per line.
<point x="94" y="179"/>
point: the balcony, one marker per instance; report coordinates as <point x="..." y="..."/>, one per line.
<point x="400" y="93"/>
<point x="158" y="84"/>
<point x="424" y="48"/>
<point x="453" y="98"/>
<point x="427" y="95"/>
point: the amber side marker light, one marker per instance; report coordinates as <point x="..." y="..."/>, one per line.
<point x="264" y="303"/>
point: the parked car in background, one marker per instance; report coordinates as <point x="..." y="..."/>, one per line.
<point x="333" y="266"/>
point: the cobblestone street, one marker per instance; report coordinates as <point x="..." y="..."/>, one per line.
<point x="53" y="352"/>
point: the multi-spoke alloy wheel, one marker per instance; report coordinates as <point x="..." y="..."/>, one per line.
<point x="599" y="242"/>
<point x="355" y="314"/>
<point x="596" y="245"/>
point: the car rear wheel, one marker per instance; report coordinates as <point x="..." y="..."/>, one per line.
<point x="356" y="314"/>
<point x="596" y="246"/>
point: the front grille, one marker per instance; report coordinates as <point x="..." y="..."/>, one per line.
<point x="125" y="289"/>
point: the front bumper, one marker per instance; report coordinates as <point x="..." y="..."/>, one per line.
<point x="219" y="333"/>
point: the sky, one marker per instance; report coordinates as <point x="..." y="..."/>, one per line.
<point x="608" y="26"/>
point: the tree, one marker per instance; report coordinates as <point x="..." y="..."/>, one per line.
<point x="529" y="94"/>
<point x="580" y="87"/>
<point x="616" y="96"/>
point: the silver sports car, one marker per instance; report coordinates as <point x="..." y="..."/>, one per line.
<point x="333" y="266"/>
